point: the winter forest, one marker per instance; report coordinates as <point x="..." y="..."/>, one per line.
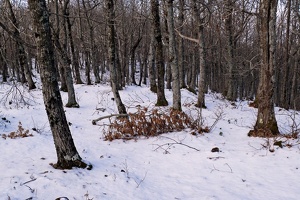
<point x="149" y="99"/>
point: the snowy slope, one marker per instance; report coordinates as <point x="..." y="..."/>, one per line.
<point x="147" y="168"/>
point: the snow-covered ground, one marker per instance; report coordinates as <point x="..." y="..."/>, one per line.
<point x="176" y="165"/>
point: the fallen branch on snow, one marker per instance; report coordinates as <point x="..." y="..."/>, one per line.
<point x="108" y="116"/>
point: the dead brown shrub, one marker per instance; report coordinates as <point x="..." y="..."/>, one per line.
<point x="20" y="133"/>
<point x="146" y="123"/>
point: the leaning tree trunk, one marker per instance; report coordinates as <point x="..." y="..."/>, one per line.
<point x="173" y="58"/>
<point x="266" y="124"/>
<point x="161" y="99"/>
<point x="112" y="54"/>
<point x="67" y="154"/>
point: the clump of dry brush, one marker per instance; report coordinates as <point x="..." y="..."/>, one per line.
<point x="146" y="123"/>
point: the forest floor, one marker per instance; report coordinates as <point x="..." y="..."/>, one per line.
<point x="175" y="165"/>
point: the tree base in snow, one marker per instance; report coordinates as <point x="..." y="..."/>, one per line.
<point x="265" y="133"/>
<point x="72" y="105"/>
<point x="71" y="164"/>
<point x="161" y="102"/>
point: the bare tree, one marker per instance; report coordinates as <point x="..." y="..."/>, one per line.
<point x="230" y="60"/>
<point x="20" y="47"/>
<point x="266" y="124"/>
<point x="161" y="99"/>
<point x="173" y="58"/>
<point x="181" y="46"/>
<point x="75" y="62"/>
<point x="201" y="14"/>
<point x="112" y="53"/>
<point x="67" y="154"/>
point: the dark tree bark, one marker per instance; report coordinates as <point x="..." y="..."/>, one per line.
<point x="200" y="28"/>
<point x="181" y="46"/>
<point x="3" y="65"/>
<point x="152" y="69"/>
<point x="75" y="63"/>
<point x="266" y="124"/>
<point x="161" y="99"/>
<point x="112" y="54"/>
<point x="168" y="77"/>
<point x="285" y="92"/>
<point x="230" y="59"/>
<point x="67" y="154"/>
<point x="132" y="57"/>
<point x="93" y="62"/>
<point x="20" y="49"/>
<point x="86" y="55"/>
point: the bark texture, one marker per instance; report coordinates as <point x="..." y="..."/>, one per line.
<point x="173" y="58"/>
<point x="266" y="124"/>
<point x="20" y="48"/>
<point x="67" y="154"/>
<point x="200" y="29"/>
<point x="112" y="54"/>
<point x="161" y="99"/>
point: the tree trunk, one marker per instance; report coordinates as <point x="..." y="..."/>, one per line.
<point x="86" y="56"/>
<point x="75" y="63"/>
<point x="285" y="92"/>
<point x="152" y="70"/>
<point x="161" y="99"/>
<point x="20" y="49"/>
<point x="181" y="46"/>
<point x="112" y="53"/>
<point x="92" y="44"/>
<point x="173" y="59"/>
<point x="230" y="60"/>
<point x="200" y="29"/>
<point x="3" y="64"/>
<point x="67" y="154"/>
<point x="168" y="76"/>
<point x="266" y="124"/>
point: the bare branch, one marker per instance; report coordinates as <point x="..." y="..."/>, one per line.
<point x="187" y="38"/>
<point x="108" y="116"/>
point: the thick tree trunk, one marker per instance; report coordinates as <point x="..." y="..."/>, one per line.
<point x="112" y="53"/>
<point x="266" y="124"/>
<point x="67" y="154"/>
<point x="161" y="99"/>
<point x="173" y="58"/>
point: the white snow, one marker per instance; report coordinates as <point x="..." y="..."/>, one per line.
<point x="147" y="168"/>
